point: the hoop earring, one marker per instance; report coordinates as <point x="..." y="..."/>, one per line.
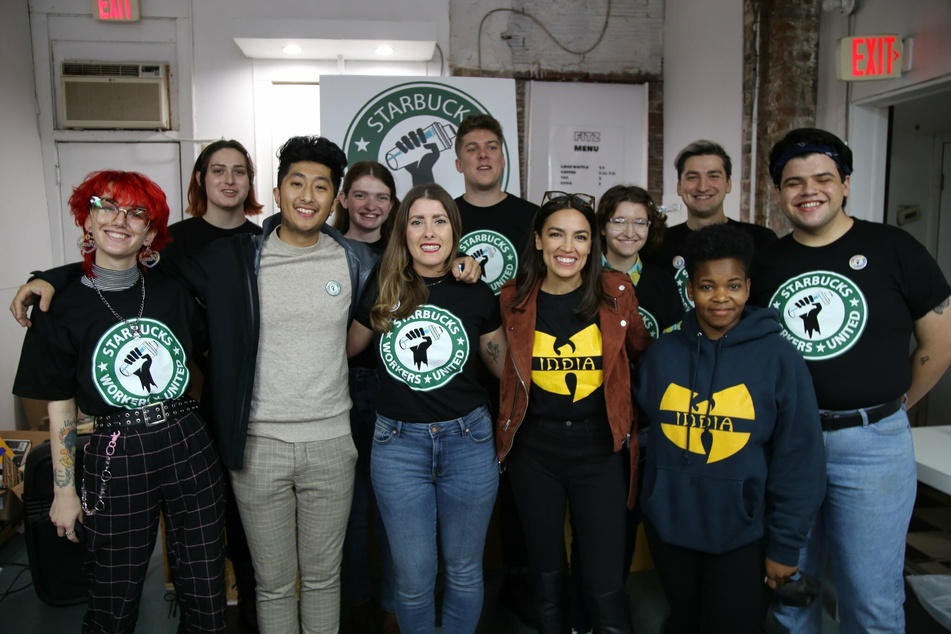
<point x="86" y="244"/>
<point x="148" y="258"/>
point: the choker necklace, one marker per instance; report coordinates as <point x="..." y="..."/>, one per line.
<point x="439" y="281"/>
<point x="134" y="326"/>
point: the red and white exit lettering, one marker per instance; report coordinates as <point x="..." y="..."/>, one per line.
<point x="870" y="57"/>
<point x="116" y="10"/>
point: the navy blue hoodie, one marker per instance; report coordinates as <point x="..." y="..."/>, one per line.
<point x="752" y="465"/>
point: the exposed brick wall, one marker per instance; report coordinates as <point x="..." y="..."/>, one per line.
<point x="655" y="140"/>
<point x="787" y="71"/>
<point x="631" y="52"/>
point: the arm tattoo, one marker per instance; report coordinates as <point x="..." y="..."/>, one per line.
<point x="923" y="359"/>
<point x="67" y="435"/>
<point x="940" y="308"/>
<point x="492" y="349"/>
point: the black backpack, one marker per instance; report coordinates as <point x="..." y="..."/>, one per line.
<point x="55" y="562"/>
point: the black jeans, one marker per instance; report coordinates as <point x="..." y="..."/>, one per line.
<point x="557" y="464"/>
<point x="709" y="593"/>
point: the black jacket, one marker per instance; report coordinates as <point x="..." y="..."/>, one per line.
<point x="224" y="276"/>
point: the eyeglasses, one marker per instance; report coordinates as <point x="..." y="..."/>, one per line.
<point x="137" y="218"/>
<point x="620" y="224"/>
<point x="577" y="199"/>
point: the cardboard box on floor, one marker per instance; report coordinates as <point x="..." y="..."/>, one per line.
<point x="36" y="438"/>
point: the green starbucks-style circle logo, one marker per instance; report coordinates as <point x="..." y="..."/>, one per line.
<point x="411" y="128"/>
<point x="823" y="313"/>
<point x="495" y="253"/>
<point x="131" y="372"/>
<point x="681" y="277"/>
<point x="650" y="322"/>
<point x="426" y="350"/>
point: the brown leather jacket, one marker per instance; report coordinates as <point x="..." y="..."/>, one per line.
<point x="624" y="338"/>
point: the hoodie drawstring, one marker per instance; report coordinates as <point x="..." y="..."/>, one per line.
<point x="694" y="394"/>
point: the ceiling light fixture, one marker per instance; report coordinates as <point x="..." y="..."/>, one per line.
<point x="292" y="49"/>
<point x="845" y="7"/>
<point x="384" y="49"/>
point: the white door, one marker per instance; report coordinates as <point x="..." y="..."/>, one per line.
<point x="159" y="161"/>
<point x="282" y="110"/>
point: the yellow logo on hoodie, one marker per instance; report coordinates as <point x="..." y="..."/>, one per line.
<point x="715" y="416"/>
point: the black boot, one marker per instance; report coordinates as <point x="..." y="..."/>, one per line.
<point x="550" y="596"/>
<point x="611" y="613"/>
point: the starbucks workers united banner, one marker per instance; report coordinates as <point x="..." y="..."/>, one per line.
<point x="409" y="123"/>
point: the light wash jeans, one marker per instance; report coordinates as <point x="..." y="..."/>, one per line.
<point x="436" y="480"/>
<point x="862" y="524"/>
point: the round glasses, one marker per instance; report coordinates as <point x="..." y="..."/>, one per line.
<point x="621" y="224"/>
<point x="106" y="210"/>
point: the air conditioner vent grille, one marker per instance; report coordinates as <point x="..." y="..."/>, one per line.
<point x="80" y="69"/>
<point x="110" y="101"/>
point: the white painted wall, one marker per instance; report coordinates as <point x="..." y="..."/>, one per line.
<point x="228" y="87"/>
<point x="703" y="87"/>
<point x="26" y="240"/>
<point x="857" y="111"/>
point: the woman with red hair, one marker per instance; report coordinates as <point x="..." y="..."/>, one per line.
<point x="116" y="346"/>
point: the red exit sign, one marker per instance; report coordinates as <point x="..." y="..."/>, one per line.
<point x="870" y="57"/>
<point x="116" y="10"/>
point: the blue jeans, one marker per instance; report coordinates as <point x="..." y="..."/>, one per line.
<point x="355" y="576"/>
<point x="436" y="480"/>
<point x="862" y="524"/>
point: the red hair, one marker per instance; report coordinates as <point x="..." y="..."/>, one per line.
<point x="127" y="189"/>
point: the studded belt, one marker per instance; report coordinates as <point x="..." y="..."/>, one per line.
<point x="149" y="416"/>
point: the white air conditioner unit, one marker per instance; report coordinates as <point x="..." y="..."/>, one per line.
<point x="106" y="95"/>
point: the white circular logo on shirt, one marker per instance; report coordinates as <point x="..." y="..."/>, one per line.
<point x="823" y="313"/>
<point x="495" y="253"/>
<point x="426" y="350"/>
<point x="131" y="372"/>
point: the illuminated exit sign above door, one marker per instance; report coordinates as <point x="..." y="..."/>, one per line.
<point x="116" y="10"/>
<point x="870" y="57"/>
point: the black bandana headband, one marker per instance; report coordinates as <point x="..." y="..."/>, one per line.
<point x="776" y="171"/>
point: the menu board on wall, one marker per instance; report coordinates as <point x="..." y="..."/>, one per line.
<point x="585" y="158"/>
<point x="585" y="137"/>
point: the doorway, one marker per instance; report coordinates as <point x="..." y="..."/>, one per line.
<point x="919" y="201"/>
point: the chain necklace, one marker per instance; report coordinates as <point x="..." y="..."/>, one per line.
<point x="133" y="327"/>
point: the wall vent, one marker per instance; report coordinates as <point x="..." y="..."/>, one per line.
<point x="106" y="95"/>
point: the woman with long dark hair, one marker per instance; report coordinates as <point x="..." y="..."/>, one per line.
<point x="572" y="329"/>
<point x="433" y="464"/>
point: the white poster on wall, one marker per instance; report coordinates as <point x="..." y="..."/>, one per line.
<point x="585" y="137"/>
<point x="585" y="158"/>
<point x="409" y="124"/>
